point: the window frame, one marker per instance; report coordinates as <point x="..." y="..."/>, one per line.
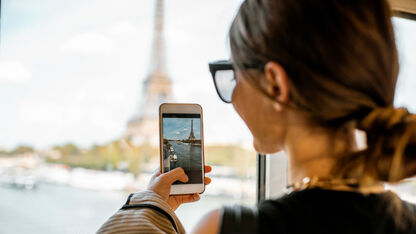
<point x="404" y="8"/>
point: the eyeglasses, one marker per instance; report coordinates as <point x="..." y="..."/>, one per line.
<point x="222" y="72"/>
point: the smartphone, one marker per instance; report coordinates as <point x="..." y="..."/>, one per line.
<point x="182" y="144"/>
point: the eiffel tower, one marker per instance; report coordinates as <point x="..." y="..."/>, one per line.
<point x="191" y="135"/>
<point x="157" y="88"/>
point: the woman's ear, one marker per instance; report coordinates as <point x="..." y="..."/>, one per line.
<point x="277" y="83"/>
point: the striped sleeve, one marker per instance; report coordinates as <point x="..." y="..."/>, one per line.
<point x="139" y="218"/>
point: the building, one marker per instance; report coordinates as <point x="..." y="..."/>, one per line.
<point x="191" y="134"/>
<point x="157" y="89"/>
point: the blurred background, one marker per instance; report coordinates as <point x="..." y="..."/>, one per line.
<point x="80" y="84"/>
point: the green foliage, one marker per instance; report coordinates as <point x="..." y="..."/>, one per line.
<point x="118" y="155"/>
<point x="101" y="157"/>
<point x="68" y="149"/>
<point x="22" y="149"/>
<point x="234" y="156"/>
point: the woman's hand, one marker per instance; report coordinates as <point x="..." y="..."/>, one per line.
<point x="161" y="184"/>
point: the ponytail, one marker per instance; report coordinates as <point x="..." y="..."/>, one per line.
<point x="390" y="155"/>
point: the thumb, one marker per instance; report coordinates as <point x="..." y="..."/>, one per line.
<point x="174" y="175"/>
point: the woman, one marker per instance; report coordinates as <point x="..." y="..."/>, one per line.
<point x="310" y="74"/>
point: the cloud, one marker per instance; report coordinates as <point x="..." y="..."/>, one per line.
<point x="13" y="72"/>
<point x="89" y="43"/>
<point x="122" y="28"/>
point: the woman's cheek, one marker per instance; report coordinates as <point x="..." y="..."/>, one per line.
<point x="236" y="99"/>
<point x="243" y="105"/>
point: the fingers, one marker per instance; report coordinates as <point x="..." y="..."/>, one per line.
<point x="187" y="198"/>
<point x="174" y="175"/>
<point x="207" y="180"/>
<point x="179" y="174"/>
<point x="207" y="169"/>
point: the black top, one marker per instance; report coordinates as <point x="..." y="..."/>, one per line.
<point x="323" y="211"/>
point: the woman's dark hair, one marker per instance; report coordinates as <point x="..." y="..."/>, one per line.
<point x="342" y="63"/>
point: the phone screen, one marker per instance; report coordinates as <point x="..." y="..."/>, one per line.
<point x="182" y="145"/>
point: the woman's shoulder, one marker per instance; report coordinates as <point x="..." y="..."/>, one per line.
<point x="209" y="223"/>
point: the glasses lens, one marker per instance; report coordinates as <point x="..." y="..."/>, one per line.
<point x="225" y="83"/>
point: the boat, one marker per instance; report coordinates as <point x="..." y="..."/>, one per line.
<point x="18" y="177"/>
<point x="173" y="158"/>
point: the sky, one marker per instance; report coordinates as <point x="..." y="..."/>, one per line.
<point x="72" y="71"/>
<point x="180" y="128"/>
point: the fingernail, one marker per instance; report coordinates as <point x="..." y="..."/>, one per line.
<point x="196" y="197"/>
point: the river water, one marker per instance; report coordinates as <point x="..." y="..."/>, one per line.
<point x="63" y="209"/>
<point x="189" y="158"/>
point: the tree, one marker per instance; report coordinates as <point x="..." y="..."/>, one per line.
<point x="68" y="149"/>
<point x="22" y="149"/>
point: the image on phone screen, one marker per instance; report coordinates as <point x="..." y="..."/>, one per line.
<point x="182" y="145"/>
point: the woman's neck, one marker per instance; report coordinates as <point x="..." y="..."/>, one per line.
<point x="311" y="151"/>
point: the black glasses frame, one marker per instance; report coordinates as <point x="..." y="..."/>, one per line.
<point x="222" y="65"/>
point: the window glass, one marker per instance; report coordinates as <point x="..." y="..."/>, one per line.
<point x="276" y="175"/>
<point x="78" y="126"/>
<point x="405" y="31"/>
